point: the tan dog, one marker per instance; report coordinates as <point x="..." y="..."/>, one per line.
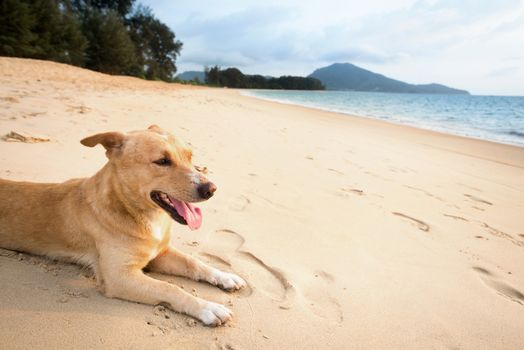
<point x="118" y="222"/>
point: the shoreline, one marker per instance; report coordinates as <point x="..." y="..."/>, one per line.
<point x="457" y="141"/>
<point x="246" y="92"/>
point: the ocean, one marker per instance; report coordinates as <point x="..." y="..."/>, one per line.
<point x="493" y="118"/>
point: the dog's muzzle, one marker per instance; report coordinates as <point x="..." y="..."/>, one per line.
<point x="206" y="191"/>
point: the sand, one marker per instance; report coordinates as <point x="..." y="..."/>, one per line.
<point x="351" y="233"/>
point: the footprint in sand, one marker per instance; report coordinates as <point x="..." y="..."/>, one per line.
<point x="319" y="300"/>
<point x="424" y="192"/>
<point x="482" y="237"/>
<point x="161" y="321"/>
<point x="353" y="190"/>
<point x="500" y="287"/>
<point x="336" y="171"/>
<point x="239" y="203"/>
<point x="498" y="233"/>
<point x="421" y="225"/>
<point x="397" y="170"/>
<point x="225" y="247"/>
<point x="470" y="187"/>
<point x="455" y="217"/>
<point x="477" y="199"/>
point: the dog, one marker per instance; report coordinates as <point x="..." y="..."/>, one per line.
<point x="118" y="222"/>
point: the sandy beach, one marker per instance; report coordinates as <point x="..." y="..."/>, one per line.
<point x="351" y="233"/>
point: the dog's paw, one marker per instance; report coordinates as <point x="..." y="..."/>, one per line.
<point x="227" y="281"/>
<point x="213" y="314"/>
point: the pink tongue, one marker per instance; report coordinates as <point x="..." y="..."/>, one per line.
<point x="189" y="212"/>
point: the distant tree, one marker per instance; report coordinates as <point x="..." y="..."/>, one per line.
<point x="110" y="36"/>
<point x="73" y="42"/>
<point x="110" y="48"/>
<point x="16" y="22"/>
<point x="212" y="75"/>
<point x="298" y="83"/>
<point x="58" y="33"/>
<point x="121" y="7"/>
<point x="156" y="45"/>
<point x="45" y="29"/>
<point x="232" y="77"/>
<point x="257" y="82"/>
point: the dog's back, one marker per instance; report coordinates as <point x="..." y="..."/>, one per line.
<point x="35" y="217"/>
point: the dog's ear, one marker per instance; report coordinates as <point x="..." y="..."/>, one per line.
<point x="157" y="129"/>
<point x="111" y="141"/>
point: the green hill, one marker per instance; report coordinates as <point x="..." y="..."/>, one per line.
<point x="346" y="76"/>
<point x="191" y="75"/>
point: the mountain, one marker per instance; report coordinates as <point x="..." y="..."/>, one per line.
<point x="191" y="75"/>
<point x="346" y="76"/>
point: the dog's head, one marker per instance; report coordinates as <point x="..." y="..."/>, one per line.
<point x="155" y="167"/>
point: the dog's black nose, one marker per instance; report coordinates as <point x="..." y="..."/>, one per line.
<point x="206" y="190"/>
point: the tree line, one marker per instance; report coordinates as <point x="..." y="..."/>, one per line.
<point x="234" y="78"/>
<point x="109" y="36"/>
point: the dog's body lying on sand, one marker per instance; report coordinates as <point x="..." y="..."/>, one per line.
<point x="118" y="222"/>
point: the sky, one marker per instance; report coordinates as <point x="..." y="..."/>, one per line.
<point x="477" y="45"/>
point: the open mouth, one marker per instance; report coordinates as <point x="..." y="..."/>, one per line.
<point x="182" y="212"/>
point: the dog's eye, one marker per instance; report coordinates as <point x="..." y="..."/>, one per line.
<point x="163" y="161"/>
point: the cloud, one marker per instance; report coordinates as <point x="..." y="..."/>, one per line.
<point x="502" y="72"/>
<point x="239" y="38"/>
<point x="448" y="41"/>
<point x="283" y="33"/>
<point x="357" y="54"/>
<point x="255" y="36"/>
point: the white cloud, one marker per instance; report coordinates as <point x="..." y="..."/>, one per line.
<point x="459" y="43"/>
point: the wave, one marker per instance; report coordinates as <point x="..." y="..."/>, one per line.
<point x="515" y="133"/>
<point x="493" y="118"/>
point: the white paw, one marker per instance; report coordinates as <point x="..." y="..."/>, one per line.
<point x="213" y="314"/>
<point x="227" y="281"/>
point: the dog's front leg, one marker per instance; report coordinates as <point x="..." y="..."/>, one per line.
<point x="130" y="283"/>
<point x="177" y="263"/>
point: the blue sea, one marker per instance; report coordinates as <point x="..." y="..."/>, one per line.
<point x="494" y="118"/>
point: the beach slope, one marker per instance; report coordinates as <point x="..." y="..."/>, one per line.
<point x="351" y="233"/>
